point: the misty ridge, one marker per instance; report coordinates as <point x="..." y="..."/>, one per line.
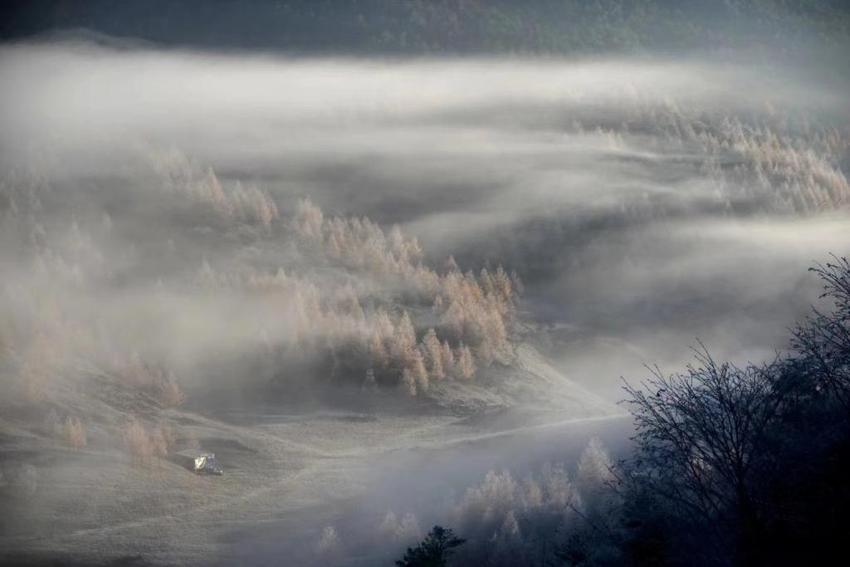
<point x="310" y="263"/>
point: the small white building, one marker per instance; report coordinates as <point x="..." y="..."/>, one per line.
<point x="200" y="462"/>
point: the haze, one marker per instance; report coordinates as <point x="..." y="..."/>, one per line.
<point x="186" y="264"/>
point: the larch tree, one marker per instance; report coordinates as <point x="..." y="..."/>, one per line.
<point x="434" y="355"/>
<point x="404" y="339"/>
<point x="447" y="358"/>
<point x="377" y="351"/>
<point x="416" y="364"/>
<point x="465" y="363"/>
<point x="408" y="382"/>
<point x="309" y="220"/>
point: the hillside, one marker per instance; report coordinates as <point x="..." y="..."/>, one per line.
<point x="450" y="26"/>
<point x="387" y="291"/>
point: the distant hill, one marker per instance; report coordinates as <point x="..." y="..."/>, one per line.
<point x="447" y="26"/>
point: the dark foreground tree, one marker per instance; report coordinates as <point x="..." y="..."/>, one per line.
<point x="433" y="551"/>
<point x="700" y="443"/>
<point x="822" y="342"/>
<point x="745" y="465"/>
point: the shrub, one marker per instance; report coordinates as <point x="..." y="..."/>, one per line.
<point x="328" y="541"/>
<point x="170" y="394"/>
<point x="144" y="445"/>
<point x="74" y="433"/>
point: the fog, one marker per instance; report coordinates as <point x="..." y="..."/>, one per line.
<point x="536" y="164"/>
<point x="150" y="196"/>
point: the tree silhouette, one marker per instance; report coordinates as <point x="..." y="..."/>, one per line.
<point x="433" y="551"/>
<point x="700" y="440"/>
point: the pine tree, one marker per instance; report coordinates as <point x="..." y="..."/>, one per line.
<point x="433" y="551"/>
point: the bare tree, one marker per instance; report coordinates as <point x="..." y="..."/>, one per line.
<point x="823" y="340"/>
<point x="700" y="440"/>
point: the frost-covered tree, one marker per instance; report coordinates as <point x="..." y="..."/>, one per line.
<point x="328" y="543"/>
<point x="595" y="473"/>
<point x="405" y="530"/>
<point x="309" y="220"/>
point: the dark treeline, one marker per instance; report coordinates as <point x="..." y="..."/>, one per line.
<point x="731" y="465"/>
<point x="445" y="26"/>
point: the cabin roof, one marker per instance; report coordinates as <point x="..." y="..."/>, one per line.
<point x="195" y="453"/>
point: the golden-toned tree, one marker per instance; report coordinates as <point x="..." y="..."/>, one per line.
<point x="465" y="363"/>
<point x="433" y="354"/>
<point x="447" y="358"/>
<point x="416" y="364"/>
<point x="309" y="220"/>
<point x="74" y="432"/>
<point x="408" y="382"/>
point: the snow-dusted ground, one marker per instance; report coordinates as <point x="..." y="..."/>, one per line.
<point x="286" y="479"/>
<point x="422" y="481"/>
<point x="289" y="472"/>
